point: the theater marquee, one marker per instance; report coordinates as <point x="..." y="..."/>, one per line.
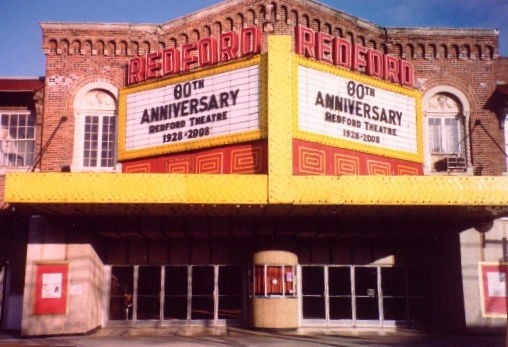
<point x="208" y="108"/>
<point x="349" y="110"/>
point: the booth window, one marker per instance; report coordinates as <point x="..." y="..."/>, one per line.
<point x="270" y="280"/>
<point x="17" y="139"/>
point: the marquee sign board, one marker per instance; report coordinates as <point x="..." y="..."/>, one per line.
<point x="349" y="110"/>
<point x="213" y="107"/>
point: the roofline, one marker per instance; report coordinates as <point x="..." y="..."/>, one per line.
<point x="443" y="31"/>
<point x="213" y="9"/>
<point x="20" y="90"/>
<point x="40" y="80"/>
<point x="22" y="78"/>
<point x="146" y="27"/>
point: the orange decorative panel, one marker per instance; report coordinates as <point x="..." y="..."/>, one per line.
<point x="346" y="164"/>
<point x="210" y="163"/>
<point x="378" y="167"/>
<point x="137" y="168"/>
<point x="179" y="165"/>
<point x="403" y="170"/>
<point x="312" y="160"/>
<point x="246" y="160"/>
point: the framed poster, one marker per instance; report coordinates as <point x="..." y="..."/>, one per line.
<point x="493" y="289"/>
<point x="51" y="289"/>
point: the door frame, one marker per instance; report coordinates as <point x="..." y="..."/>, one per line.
<point x="177" y="322"/>
<point x="353" y="322"/>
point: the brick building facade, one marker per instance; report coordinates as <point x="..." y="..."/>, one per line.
<point x="368" y="250"/>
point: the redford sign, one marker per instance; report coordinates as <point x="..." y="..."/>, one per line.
<point x="233" y="45"/>
<point x="340" y="52"/>
<point x="205" y="52"/>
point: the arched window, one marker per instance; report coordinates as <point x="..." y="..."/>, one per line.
<point x="328" y="28"/>
<point x="145" y="47"/>
<point x="95" y="129"/>
<point x="241" y="20"/>
<point x="123" y="48"/>
<point x="52" y="46"/>
<point x="135" y="48"/>
<point x="446" y="111"/>
<point x="65" y="46"/>
<point x="76" y="48"/>
<point x="218" y="27"/>
<point x="207" y="32"/>
<point x="294" y="17"/>
<point x="306" y="21"/>
<point x="230" y="24"/>
<point x="88" y="47"/>
<point x="100" y="47"/>
<point x="285" y="14"/>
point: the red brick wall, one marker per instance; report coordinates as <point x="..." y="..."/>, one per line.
<point x="77" y="55"/>
<point x="501" y="70"/>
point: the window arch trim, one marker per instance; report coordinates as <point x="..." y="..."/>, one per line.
<point x="466" y="111"/>
<point x="80" y="113"/>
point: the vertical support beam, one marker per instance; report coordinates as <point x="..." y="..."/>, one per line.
<point x="215" y="294"/>
<point x="380" y="297"/>
<point x="2" y="272"/>
<point x="280" y="111"/>
<point x="135" y="293"/>
<point x="189" y="292"/>
<point x="162" y="297"/>
<point x="326" y="293"/>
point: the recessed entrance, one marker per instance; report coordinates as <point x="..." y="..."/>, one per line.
<point x="363" y="295"/>
<point x="177" y="294"/>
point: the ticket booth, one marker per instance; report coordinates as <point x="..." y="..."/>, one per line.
<point x="274" y="290"/>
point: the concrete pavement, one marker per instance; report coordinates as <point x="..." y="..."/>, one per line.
<point x="186" y="337"/>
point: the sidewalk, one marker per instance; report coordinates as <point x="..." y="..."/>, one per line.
<point x="184" y="337"/>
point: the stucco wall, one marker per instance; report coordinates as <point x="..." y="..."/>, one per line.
<point x="84" y="289"/>
<point x="473" y="252"/>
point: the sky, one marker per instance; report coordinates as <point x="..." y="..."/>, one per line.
<point x="20" y="33"/>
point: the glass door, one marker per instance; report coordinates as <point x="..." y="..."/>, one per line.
<point x="230" y="293"/>
<point x="395" y="303"/>
<point x="148" y="293"/>
<point x="327" y="295"/>
<point x="177" y="294"/>
<point x="121" y="293"/>
<point x="350" y="295"/>
<point x="203" y="292"/>
<point x="366" y="296"/>
<point x="313" y="293"/>
<point x="340" y="295"/>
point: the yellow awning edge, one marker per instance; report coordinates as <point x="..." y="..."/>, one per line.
<point x="135" y="188"/>
<point x="121" y="188"/>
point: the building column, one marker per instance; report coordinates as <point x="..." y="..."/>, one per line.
<point x="486" y="245"/>
<point x="64" y="281"/>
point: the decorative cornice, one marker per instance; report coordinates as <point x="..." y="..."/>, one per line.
<point x="150" y="28"/>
